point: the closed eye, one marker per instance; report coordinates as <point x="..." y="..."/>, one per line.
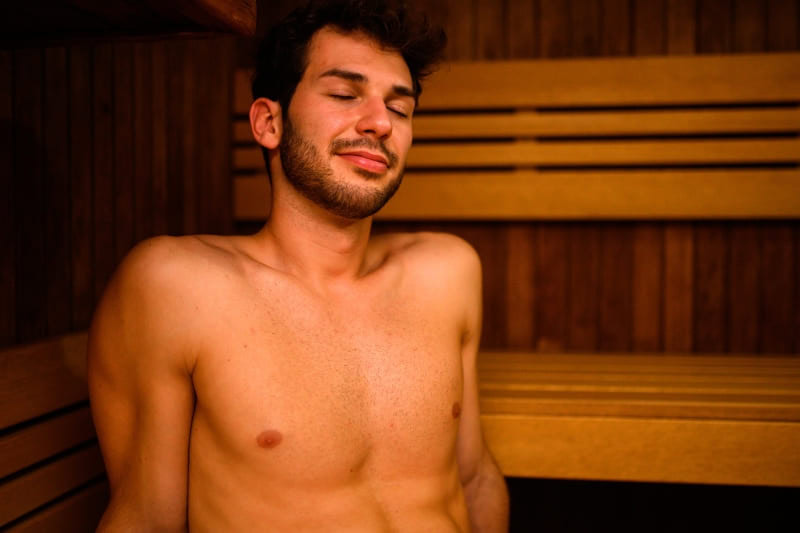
<point x="398" y="112"/>
<point x="342" y="96"/>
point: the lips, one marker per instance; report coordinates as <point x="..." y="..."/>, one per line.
<point x="366" y="160"/>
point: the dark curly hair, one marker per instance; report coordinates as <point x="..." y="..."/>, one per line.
<point x="283" y="54"/>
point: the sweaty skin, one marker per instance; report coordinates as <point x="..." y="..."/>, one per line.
<point x="310" y="377"/>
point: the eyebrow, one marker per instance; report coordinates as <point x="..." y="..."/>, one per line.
<point x="357" y="77"/>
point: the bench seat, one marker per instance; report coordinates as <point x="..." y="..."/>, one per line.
<point x="635" y="417"/>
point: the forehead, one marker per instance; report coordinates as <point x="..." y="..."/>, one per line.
<point x="331" y="49"/>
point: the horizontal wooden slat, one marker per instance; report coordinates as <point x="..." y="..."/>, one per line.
<point x="615" y="81"/>
<point x="35" y="443"/>
<point x="523" y="195"/>
<point x="592" y="153"/>
<point x="644" y="449"/>
<point x="590" y="123"/>
<point x="597" y="195"/>
<point x="643" y="81"/>
<point x="78" y="513"/>
<point x="605" y="123"/>
<point x="33" y="489"/>
<point x="38" y="378"/>
<point x="582" y="153"/>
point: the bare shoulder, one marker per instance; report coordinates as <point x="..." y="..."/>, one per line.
<point x="157" y="294"/>
<point x="438" y="253"/>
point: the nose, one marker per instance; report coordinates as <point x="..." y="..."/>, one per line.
<point x="375" y="120"/>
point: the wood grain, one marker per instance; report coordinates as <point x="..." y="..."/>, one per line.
<point x="103" y="167"/>
<point x="552" y="263"/>
<point x="520" y="294"/>
<point x="77" y="513"/>
<point x="8" y="327"/>
<point x="124" y="207"/>
<point x="29" y="189"/>
<point x="647" y="287"/>
<point x="38" y="487"/>
<point x="649" y="27"/>
<point x="710" y="294"/>
<point x="58" y="195"/>
<point x="81" y="210"/>
<point x="777" y="291"/>
<point x="584" y="286"/>
<point x="744" y="272"/>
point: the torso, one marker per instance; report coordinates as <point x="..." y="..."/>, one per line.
<point x="326" y="414"/>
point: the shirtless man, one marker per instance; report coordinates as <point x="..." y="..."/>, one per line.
<point x="307" y="377"/>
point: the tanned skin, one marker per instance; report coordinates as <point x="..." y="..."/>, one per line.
<point x="308" y="377"/>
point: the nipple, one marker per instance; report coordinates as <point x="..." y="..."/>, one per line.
<point x="456" y="410"/>
<point x="269" y="438"/>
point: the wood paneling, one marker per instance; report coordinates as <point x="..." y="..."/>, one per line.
<point x="97" y="157"/>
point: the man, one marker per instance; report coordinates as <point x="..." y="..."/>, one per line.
<point x="307" y="377"/>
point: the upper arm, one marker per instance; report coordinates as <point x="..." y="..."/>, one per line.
<point x="140" y="390"/>
<point x="470" y="448"/>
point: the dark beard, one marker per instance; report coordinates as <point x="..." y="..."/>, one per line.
<point x="307" y="172"/>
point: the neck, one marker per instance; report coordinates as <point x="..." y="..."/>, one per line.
<point x="303" y="239"/>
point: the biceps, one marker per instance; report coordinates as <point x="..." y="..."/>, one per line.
<point x="142" y="417"/>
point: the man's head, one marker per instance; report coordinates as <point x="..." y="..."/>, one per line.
<point x="339" y="81"/>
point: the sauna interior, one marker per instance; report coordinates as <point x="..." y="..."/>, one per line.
<point x="640" y="353"/>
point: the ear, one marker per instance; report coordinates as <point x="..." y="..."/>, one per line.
<point x="266" y="122"/>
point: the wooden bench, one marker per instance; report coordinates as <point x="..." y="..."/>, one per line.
<point x="51" y="472"/>
<point x="691" y="419"/>
<point x="682" y="137"/>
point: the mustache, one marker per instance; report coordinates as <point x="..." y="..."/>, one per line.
<point x="343" y="144"/>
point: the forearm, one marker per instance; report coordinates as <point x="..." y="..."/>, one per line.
<point x="487" y="499"/>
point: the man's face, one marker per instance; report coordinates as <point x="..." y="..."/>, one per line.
<point x="348" y="128"/>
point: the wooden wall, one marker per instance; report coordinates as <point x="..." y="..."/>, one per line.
<point x="103" y="144"/>
<point x="693" y="286"/>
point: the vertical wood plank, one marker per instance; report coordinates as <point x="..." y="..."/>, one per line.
<point x="649" y="35"/>
<point x="749" y="26"/>
<point x="743" y="287"/>
<point x="555" y="36"/>
<point x="648" y="277"/>
<point x="616" y="273"/>
<point x="459" y="23"/>
<point x="174" y="139"/>
<point x="29" y="194"/>
<point x="142" y="141"/>
<point x="551" y="287"/>
<point x="489" y="22"/>
<point x="710" y="301"/>
<point x="616" y="28"/>
<point x="520" y="294"/>
<point x="681" y="27"/>
<point x="82" y="223"/>
<point x="783" y="25"/>
<point x="522" y="29"/>
<point x="222" y="98"/>
<point x="203" y="90"/>
<point x="57" y="194"/>
<point x="777" y="290"/>
<point x="678" y="287"/>
<point x="8" y="326"/>
<point x="123" y="150"/>
<point x="585" y="19"/>
<point x="104" y="250"/>
<point x="158" y="136"/>
<point x="584" y="287"/>
<point x="493" y="258"/>
<point x="714" y="26"/>
<point x="191" y="65"/>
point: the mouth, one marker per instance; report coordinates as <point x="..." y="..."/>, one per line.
<point x="366" y="160"/>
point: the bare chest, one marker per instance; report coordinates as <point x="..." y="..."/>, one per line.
<point x="374" y="385"/>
